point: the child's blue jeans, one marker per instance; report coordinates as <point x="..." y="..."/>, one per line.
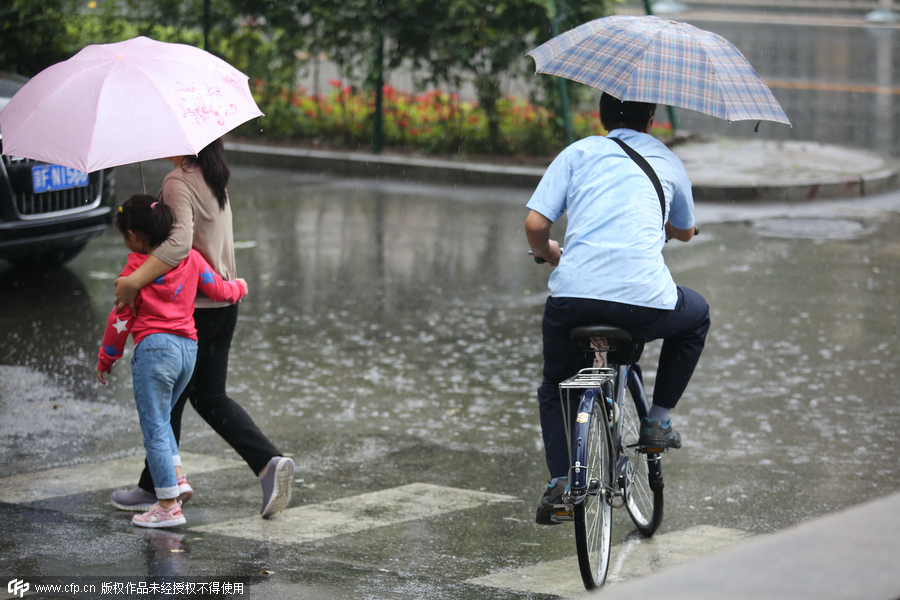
<point x="161" y="368"/>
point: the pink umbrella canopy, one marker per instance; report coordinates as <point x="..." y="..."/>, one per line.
<point x="127" y="102"/>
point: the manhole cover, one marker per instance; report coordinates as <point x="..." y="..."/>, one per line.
<point x="811" y="229"/>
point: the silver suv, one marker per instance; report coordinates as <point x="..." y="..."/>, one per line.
<point x="48" y="213"/>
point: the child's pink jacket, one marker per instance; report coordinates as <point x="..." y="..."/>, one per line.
<point x="164" y="306"/>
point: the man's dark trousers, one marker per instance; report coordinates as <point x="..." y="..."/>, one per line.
<point x="682" y="329"/>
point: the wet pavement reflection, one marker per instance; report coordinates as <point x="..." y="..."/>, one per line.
<point x="392" y="336"/>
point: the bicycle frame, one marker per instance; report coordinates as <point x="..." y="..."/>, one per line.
<point x="635" y="385"/>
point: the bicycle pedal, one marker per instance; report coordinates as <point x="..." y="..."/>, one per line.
<point x="561" y="512"/>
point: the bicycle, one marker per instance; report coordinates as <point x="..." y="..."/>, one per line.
<point x="607" y="467"/>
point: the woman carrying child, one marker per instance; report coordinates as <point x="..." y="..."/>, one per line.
<point x="165" y="345"/>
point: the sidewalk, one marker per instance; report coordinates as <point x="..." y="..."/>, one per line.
<point x="724" y="170"/>
<point x="850" y="555"/>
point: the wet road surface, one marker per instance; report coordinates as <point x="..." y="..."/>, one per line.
<point x="391" y="345"/>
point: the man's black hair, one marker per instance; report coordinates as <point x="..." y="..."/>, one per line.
<point x="618" y="114"/>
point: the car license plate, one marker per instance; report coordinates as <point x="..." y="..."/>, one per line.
<point x="51" y="178"/>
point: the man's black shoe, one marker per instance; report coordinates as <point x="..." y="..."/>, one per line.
<point x="656" y="438"/>
<point x="553" y="495"/>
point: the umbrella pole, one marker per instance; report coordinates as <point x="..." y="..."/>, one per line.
<point x="563" y="92"/>
<point x="143" y="185"/>
<point x="673" y="120"/>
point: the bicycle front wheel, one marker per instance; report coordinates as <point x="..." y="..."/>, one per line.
<point x="643" y="477"/>
<point x="593" y="516"/>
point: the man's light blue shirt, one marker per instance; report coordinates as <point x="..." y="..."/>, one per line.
<point x="615" y="236"/>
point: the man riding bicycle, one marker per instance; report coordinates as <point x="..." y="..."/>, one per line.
<point x="613" y="271"/>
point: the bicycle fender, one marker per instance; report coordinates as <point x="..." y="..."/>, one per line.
<point x="580" y="438"/>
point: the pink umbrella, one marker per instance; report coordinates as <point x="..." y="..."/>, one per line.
<point x="123" y="103"/>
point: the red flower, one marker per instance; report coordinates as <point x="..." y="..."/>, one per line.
<point x="334" y="82"/>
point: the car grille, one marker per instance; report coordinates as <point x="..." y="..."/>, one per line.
<point x="33" y="205"/>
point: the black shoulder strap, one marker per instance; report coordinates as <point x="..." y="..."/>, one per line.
<point x="645" y="166"/>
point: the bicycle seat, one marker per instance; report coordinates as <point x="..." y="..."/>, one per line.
<point x="622" y="349"/>
<point x="586" y="332"/>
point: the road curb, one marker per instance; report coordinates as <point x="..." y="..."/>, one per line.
<point x="829" y="183"/>
<point x="358" y="164"/>
<point x="744" y="170"/>
<point x="850" y="188"/>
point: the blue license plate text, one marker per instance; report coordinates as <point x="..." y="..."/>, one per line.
<point x="51" y="178"/>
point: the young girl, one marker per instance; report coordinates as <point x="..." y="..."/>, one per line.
<point x="165" y="345"/>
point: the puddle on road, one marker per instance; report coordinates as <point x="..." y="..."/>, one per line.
<point x="811" y="229"/>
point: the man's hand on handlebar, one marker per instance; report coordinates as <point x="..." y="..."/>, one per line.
<point x="682" y="235"/>
<point x="549" y="254"/>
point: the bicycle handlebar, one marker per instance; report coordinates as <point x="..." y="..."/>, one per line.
<point x="540" y="260"/>
<point x="696" y="232"/>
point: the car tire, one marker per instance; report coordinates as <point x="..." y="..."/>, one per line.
<point x="47" y="260"/>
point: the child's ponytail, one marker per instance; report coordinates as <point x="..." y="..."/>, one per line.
<point x="143" y="213"/>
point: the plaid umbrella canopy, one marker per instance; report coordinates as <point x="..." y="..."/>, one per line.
<point x="648" y="59"/>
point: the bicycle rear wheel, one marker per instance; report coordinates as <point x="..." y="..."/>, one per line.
<point x="593" y="517"/>
<point x="643" y="477"/>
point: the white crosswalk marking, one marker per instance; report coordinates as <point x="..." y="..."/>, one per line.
<point x="417" y="501"/>
<point x="356" y="513"/>
<point x="87" y="477"/>
<point x="635" y="558"/>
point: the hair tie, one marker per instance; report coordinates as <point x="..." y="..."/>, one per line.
<point x="153" y="205"/>
<point x="120" y="209"/>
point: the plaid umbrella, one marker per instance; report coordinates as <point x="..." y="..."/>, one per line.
<point x="648" y="59"/>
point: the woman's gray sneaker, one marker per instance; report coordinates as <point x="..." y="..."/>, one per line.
<point x="134" y="500"/>
<point x="276" y="486"/>
<point x="655" y="437"/>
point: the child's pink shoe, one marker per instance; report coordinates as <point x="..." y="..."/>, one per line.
<point x="160" y="517"/>
<point x="185" y="491"/>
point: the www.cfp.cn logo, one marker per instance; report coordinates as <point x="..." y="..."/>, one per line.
<point x="17" y="587"/>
